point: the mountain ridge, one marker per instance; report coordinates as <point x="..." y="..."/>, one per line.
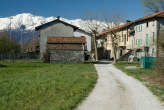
<point x="28" y="21"/>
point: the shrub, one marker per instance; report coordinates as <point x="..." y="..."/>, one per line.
<point x="159" y="64"/>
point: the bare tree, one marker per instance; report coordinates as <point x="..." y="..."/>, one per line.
<point x="94" y="25"/>
<point x="153" y="5"/>
<point x="113" y="20"/>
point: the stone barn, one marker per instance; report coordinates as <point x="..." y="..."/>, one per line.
<point x="60" y="28"/>
<point x="66" y="49"/>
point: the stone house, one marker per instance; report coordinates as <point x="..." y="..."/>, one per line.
<point x="66" y="49"/>
<point x="139" y="37"/>
<point x="32" y="46"/>
<point x="61" y="29"/>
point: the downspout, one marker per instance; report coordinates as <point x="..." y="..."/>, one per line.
<point x="157" y="37"/>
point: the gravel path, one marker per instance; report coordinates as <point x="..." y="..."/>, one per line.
<point x="117" y="91"/>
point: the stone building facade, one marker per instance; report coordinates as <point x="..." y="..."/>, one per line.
<point x="61" y="29"/>
<point x="66" y="49"/>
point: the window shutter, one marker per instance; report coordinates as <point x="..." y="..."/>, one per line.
<point x="147" y="40"/>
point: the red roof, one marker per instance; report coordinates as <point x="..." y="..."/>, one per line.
<point x="116" y="28"/>
<point x="66" y="40"/>
<point x="158" y="14"/>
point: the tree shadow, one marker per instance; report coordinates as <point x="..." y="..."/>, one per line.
<point x="2" y="66"/>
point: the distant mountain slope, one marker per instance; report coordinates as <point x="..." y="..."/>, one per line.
<point x="27" y="21"/>
<point x="22" y="26"/>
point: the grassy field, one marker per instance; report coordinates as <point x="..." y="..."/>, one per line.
<point x="153" y="80"/>
<point x="31" y="85"/>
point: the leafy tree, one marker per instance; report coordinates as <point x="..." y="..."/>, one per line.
<point x="153" y="5"/>
<point x="8" y="45"/>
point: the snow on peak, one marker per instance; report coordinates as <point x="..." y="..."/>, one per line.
<point x="29" y="21"/>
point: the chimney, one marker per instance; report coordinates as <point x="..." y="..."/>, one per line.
<point x="128" y="21"/>
<point x="58" y="17"/>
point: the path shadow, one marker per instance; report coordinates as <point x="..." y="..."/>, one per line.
<point x="103" y="62"/>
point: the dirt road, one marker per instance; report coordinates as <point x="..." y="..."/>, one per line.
<point x="117" y="91"/>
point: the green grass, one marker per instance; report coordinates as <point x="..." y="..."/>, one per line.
<point x="28" y="85"/>
<point x="137" y="73"/>
<point x="133" y="72"/>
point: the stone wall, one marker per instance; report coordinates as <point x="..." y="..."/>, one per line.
<point x="56" y="29"/>
<point x="66" y="56"/>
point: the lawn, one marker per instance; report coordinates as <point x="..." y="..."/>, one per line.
<point x="33" y="85"/>
<point x="153" y="80"/>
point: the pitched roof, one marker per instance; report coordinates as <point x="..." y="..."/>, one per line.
<point x="116" y="28"/>
<point x="84" y="31"/>
<point x="51" y="22"/>
<point x="155" y="15"/>
<point x="66" y="40"/>
<point x="158" y="14"/>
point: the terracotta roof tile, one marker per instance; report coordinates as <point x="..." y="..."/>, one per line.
<point x="116" y="28"/>
<point x="158" y="14"/>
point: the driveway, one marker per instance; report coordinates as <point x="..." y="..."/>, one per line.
<point x="117" y="91"/>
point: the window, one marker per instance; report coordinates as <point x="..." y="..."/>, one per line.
<point x="147" y="40"/>
<point x="141" y="27"/>
<point x="138" y="28"/>
<point x="153" y="52"/>
<point x="141" y="41"/>
<point x="136" y="42"/>
<point x="153" y="24"/>
<point x="125" y="37"/>
<point x="122" y="38"/>
<point x="153" y="37"/>
<point x="147" y="24"/>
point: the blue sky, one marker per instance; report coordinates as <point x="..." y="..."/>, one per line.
<point x="72" y="9"/>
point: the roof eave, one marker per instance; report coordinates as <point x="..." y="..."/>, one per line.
<point x="57" y="20"/>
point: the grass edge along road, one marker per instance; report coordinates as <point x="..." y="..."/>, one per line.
<point x="147" y="76"/>
<point x="30" y="85"/>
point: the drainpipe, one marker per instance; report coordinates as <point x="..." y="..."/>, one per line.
<point x="157" y="37"/>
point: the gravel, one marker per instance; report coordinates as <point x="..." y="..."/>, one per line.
<point x="117" y="91"/>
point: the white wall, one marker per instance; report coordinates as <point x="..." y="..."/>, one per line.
<point x="79" y="33"/>
<point x="141" y="31"/>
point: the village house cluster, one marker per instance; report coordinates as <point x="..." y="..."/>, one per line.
<point x="63" y="42"/>
<point x="138" y="38"/>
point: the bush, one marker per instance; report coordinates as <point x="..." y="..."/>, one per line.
<point x="7" y="44"/>
<point x="159" y="64"/>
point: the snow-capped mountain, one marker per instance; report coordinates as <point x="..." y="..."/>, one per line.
<point x="26" y="19"/>
<point x="22" y="26"/>
<point x="29" y="21"/>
